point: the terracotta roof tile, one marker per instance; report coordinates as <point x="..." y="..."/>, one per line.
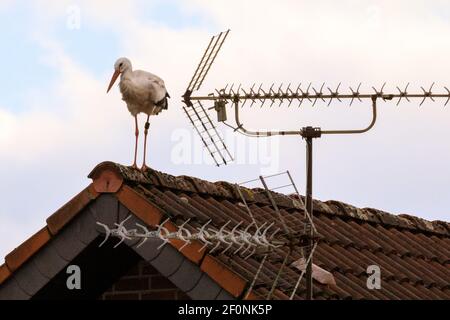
<point x="23" y="252"/>
<point x="139" y="206"/>
<point x="227" y="279"/>
<point x="4" y="273"/>
<point x="107" y="180"/>
<point x="67" y="212"/>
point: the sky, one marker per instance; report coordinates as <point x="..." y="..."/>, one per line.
<point x="57" y="122"/>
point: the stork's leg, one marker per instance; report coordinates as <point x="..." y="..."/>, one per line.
<point x="136" y="132"/>
<point x="147" y="125"/>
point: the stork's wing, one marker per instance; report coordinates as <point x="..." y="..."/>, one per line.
<point x="154" y="84"/>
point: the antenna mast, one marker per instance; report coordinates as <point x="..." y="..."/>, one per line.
<point x="239" y="96"/>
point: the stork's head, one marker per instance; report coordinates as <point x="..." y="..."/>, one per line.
<point x="121" y="65"/>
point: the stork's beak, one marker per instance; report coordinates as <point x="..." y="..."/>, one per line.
<point x="113" y="79"/>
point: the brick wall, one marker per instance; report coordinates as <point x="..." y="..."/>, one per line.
<point x="143" y="282"/>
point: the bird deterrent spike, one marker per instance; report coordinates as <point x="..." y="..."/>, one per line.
<point x="246" y="242"/>
<point x="318" y="94"/>
<point x="236" y="93"/>
<point x="267" y="228"/>
<point x="219" y="234"/>
<point x="288" y="88"/>
<point x="233" y="239"/>
<point x="186" y="238"/>
<point x="427" y="94"/>
<point x="120" y="225"/>
<point x="258" y="229"/>
<point x="244" y="238"/>
<point x="280" y="93"/>
<point x="448" y="96"/>
<point x="120" y="231"/>
<point x="274" y="233"/>
<point x="262" y="240"/>
<point x="245" y="95"/>
<point x="107" y="233"/>
<point x="280" y="90"/>
<point x="163" y="238"/>
<point x="236" y="226"/>
<point x="305" y="95"/>
<point x="248" y="247"/>
<point x="403" y="94"/>
<point x="250" y="254"/>
<point x="297" y="93"/>
<point x="230" y="91"/>
<point x="298" y="89"/>
<point x="271" y="94"/>
<point x="252" y="92"/>
<point x="227" y="248"/>
<point x="239" y="248"/>
<point x="379" y="93"/>
<point x="122" y="238"/>
<point x="215" y="247"/>
<point x="355" y="94"/>
<point x="334" y="94"/>
<point x="202" y="232"/>
<point x="144" y="239"/>
<point x="249" y="244"/>
<point x="249" y="226"/>
<point x="258" y="93"/>
<point x="182" y="228"/>
<point x="289" y="92"/>
<point x="260" y="89"/>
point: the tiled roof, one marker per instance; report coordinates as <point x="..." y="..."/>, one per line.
<point x="413" y="254"/>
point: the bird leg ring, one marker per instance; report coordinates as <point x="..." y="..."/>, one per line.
<point x="147" y="126"/>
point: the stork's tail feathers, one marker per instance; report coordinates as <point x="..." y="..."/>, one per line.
<point x="163" y="103"/>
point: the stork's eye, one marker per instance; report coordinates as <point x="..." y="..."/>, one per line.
<point x="120" y="64"/>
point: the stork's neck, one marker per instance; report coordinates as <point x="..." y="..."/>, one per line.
<point x="126" y="73"/>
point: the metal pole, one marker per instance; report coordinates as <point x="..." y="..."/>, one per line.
<point x="309" y="209"/>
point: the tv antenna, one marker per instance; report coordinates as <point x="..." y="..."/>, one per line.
<point x="195" y="111"/>
<point x="238" y="97"/>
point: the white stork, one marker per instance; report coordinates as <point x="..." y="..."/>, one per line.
<point x="143" y="92"/>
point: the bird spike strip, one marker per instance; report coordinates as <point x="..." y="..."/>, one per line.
<point x="206" y="61"/>
<point x="281" y="93"/>
<point x="247" y="243"/>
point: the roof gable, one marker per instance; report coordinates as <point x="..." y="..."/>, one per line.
<point x="43" y="275"/>
<point x="413" y="253"/>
